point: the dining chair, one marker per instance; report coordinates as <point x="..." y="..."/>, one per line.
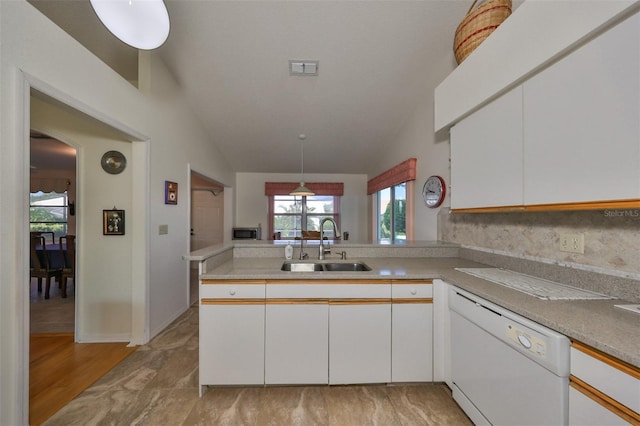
<point x="44" y="234"/>
<point x="40" y="266"/>
<point x="67" y="244"/>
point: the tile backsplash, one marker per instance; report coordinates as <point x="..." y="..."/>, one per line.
<point x="611" y="237"/>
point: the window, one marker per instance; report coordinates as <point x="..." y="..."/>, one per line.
<point x="393" y="217"/>
<point x="392" y="214"/>
<point x="48" y="212"/>
<point x="292" y="215"/>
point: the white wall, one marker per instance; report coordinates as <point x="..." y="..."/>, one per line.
<point x="36" y="52"/>
<point x="180" y="146"/>
<point x="417" y="139"/>
<point x="252" y="205"/>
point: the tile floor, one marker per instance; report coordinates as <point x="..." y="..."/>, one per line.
<point x="53" y="315"/>
<point x="158" y="385"/>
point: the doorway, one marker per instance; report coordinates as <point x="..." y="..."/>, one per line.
<point x="207" y="212"/>
<point x="207" y="221"/>
<point x="52" y="214"/>
<point x="96" y="190"/>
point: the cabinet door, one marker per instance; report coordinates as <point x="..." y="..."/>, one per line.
<point x="359" y="342"/>
<point x="611" y="378"/>
<point x="582" y="126"/>
<point x="412" y="342"/>
<point x="297" y="343"/>
<point x="486" y="155"/>
<point x="584" y="411"/>
<point x="232" y="343"/>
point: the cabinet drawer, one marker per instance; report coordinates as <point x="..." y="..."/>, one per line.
<point x="232" y="291"/>
<point x="606" y="376"/>
<point x="584" y="411"/>
<point x="329" y="289"/>
<point x="411" y="290"/>
<point x="299" y="291"/>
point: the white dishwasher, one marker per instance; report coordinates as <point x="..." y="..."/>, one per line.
<point x="506" y="369"/>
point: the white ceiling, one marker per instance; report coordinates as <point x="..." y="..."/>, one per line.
<point x="231" y="59"/>
<point x="48" y="153"/>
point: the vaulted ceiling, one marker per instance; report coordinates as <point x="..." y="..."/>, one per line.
<point x="231" y="59"/>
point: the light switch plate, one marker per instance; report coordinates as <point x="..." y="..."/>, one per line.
<point x="163" y="229"/>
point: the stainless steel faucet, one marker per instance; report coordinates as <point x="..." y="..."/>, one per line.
<point x="336" y="232"/>
<point x="303" y="255"/>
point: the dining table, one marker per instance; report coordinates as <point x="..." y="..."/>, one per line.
<point x="55" y="256"/>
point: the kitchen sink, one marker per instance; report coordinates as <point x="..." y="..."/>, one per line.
<point x="325" y="267"/>
<point x="351" y="267"/>
<point x="302" y="267"/>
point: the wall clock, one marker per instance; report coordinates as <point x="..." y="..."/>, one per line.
<point x="434" y="191"/>
<point x="113" y="162"/>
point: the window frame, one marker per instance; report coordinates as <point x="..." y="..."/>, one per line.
<point x="64" y="207"/>
<point x="304" y="214"/>
<point x="404" y="172"/>
<point x="409" y="228"/>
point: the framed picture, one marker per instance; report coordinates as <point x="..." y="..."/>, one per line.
<point x="170" y="192"/>
<point x="113" y="222"/>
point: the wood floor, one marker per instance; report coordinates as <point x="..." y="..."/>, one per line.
<point x="60" y="369"/>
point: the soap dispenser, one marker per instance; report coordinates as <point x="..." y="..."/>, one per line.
<point x="288" y="252"/>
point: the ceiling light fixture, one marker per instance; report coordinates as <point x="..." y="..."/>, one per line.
<point x="143" y="24"/>
<point x="302" y="190"/>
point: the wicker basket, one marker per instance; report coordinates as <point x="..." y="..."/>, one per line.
<point x="478" y="25"/>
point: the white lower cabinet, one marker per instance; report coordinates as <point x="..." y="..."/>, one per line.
<point x="411" y="332"/>
<point x="359" y="342"/>
<point x="604" y="390"/>
<point x="297" y="342"/>
<point x="231" y="331"/>
<point x="584" y="411"/>
<point x="232" y="344"/>
<point x="312" y="332"/>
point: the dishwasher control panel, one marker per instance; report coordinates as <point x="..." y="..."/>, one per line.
<point x="526" y="340"/>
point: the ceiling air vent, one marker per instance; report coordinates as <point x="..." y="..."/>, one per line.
<point x="303" y="67"/>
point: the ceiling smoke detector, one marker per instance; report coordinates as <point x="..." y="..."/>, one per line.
<point x="303" y="67"/>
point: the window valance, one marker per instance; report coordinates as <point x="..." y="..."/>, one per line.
<point x="49" y="184"/>
<point x="320" y="188"/>
<point x="402" y="172"/>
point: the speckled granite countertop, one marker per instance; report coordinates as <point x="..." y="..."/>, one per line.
<point x="594" y="322"/>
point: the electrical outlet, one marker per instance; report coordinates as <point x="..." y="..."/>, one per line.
<point x="572" y="243"/>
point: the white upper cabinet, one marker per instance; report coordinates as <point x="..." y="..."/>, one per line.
<point x="582" y="123"/>
<point x="568" y="137"/>
<point x="486" y="155"/>
<point x="536" y="33"/>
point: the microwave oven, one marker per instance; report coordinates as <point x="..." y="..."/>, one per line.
<point x="247" y="233"/>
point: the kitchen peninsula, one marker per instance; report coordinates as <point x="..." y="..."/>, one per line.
<point x="251" y="272"/>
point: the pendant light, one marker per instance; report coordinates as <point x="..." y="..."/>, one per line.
<point x="302" y="190"/>
<point x="143" y="24"/>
